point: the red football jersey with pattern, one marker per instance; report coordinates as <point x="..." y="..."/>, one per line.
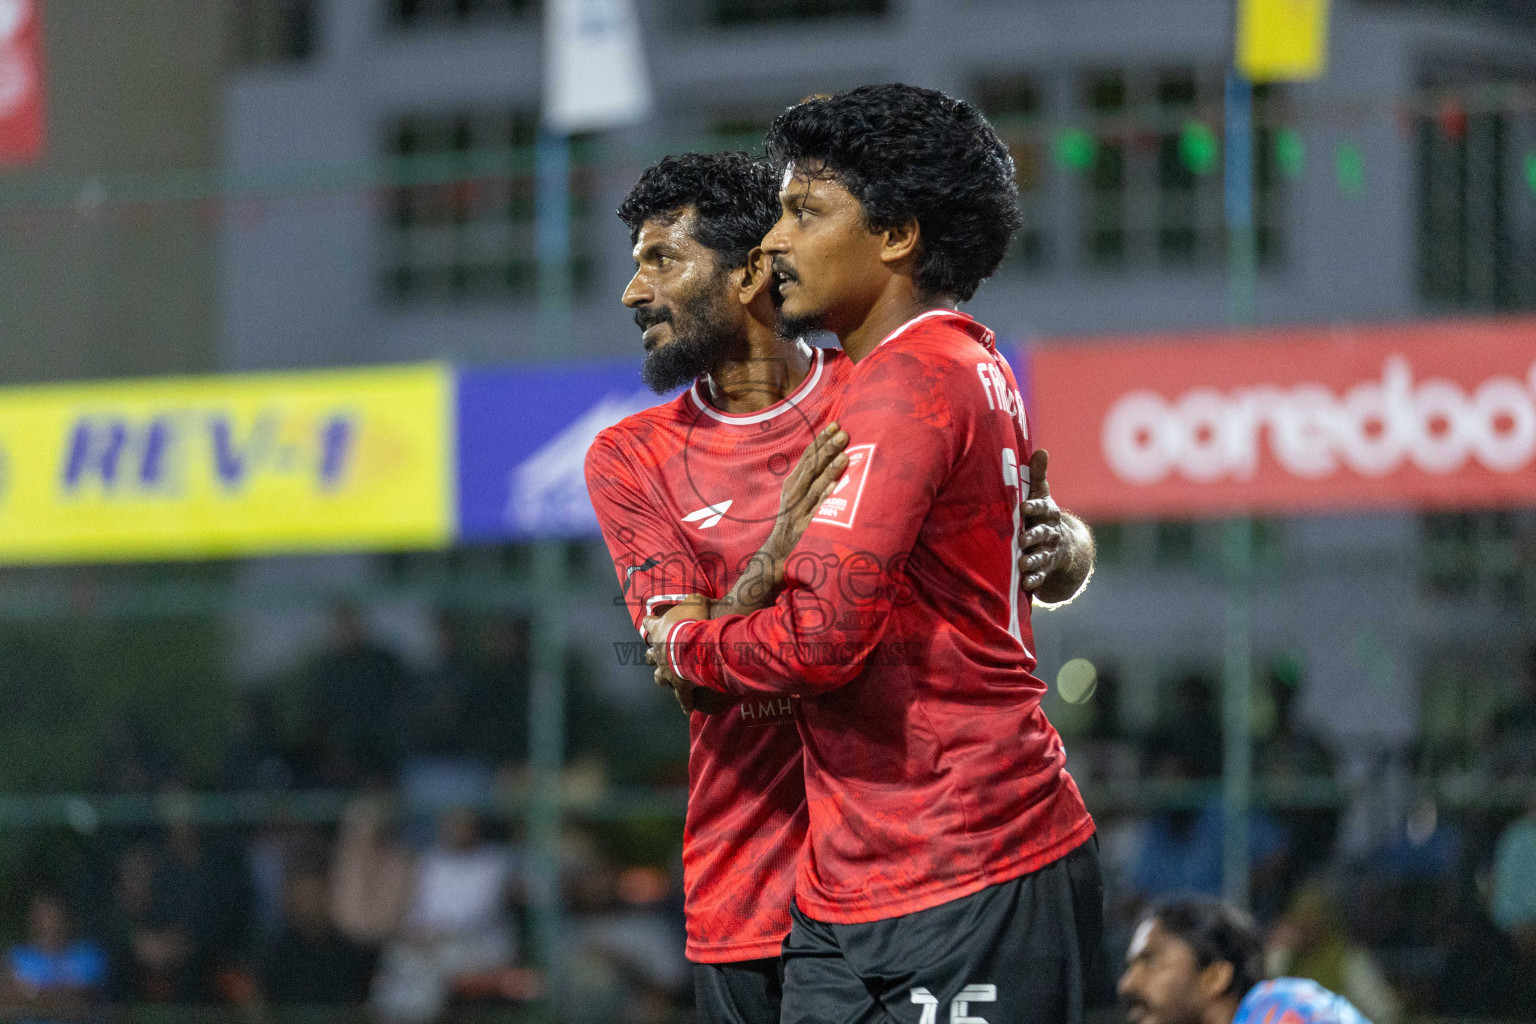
<point x="685" y="495"/>
<point x="931" y="771"/>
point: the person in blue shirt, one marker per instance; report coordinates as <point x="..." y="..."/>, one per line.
<point x="53" y="977"/>
<point x="1200" y="961"/>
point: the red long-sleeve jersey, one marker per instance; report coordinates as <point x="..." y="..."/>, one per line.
<point x="685" y="495"/>
<point x="930" y="770"/>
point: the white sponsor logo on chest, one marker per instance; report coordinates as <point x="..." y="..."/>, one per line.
<point x="772" y="709"/>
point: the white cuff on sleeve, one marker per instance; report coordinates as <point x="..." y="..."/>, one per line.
<point x="674" y="636"/>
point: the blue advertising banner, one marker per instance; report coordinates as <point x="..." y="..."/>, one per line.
<point x="523" y="434"/>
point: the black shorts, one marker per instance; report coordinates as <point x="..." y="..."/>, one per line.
<point x="746" y="992"/>
<point x="1024" y="951"/>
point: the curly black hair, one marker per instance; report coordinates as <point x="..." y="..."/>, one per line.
<point x="735" y="196"/>
<point x="907" y="153"/>
<point x="1218" y="933"/>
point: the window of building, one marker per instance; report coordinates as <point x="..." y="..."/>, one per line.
<point x="1109" y="541"/>
<point x="1151" y="187"/>
<point x="1516" y="13"/>
<point x="756" y="12"/>
<point x="460" y="225"/>
<point x="1267" y="537"/>
<point x="1487" y="556"/>
<point x="742" y="129"/>
<point x="273" y="31"/>
<point x="1178" y="542"/>
<point x="1015" y="105"/>
<point x="1476" y="209"/>
<point x="426" y="13"/>
<point x="1467" y="689"/>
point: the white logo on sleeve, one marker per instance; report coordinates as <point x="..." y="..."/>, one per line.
<point x="711" y="514"/>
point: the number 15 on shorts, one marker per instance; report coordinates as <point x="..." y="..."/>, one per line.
<point x="959" y="1007"/>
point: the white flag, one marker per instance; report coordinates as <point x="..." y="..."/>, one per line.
<point x="594" y="66"/>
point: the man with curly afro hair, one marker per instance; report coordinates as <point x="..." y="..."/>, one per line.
<point x="951" y="867"/>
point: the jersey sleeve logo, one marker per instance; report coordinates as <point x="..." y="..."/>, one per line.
<point x="711" y="514"/>
<point x="629" y="571"/>
<point x="842" y="505"/>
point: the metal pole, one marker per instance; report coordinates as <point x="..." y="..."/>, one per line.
<point x="546" y="683"/>
<point x="1237" y="715"/>
<point x="1237" y="546"/>
<point x="1237" y="195"/>
<point x="552" y="237"/>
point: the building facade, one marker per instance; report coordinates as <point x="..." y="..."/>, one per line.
<point x="392" y="220"/>
<point x="101" y="274"/>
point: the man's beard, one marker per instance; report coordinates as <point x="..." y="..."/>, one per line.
<point x="799" y="326"/>
<point x="1184" y="1012"/>
<point x="790" y="326"/>
<point x="700" y="339"/>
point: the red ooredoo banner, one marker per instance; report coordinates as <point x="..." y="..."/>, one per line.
<point x="21" y="82"/>
<point x="1426" y="415"/>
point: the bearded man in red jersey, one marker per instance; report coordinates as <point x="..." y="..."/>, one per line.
<point x="686" y="499"/>
<point x="951" y="865"/>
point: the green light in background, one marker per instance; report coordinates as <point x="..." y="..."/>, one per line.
<point x="1349" y="165"/>
<point x="1290" y="152"/>
<point x="1198" y="148"/>
<point x="1285" y="669"/>
<point x="1077" y="680"/>
<point x="1530" y="170"/>
<point x="1076" y="150"/>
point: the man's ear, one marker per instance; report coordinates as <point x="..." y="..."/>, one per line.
<point x="900" y="242"/>
<point x="1215" y="979"/>
<point x="755" y="277"/>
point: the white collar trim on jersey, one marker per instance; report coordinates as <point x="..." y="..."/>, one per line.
<point x="778" y="408"/>
<point x="919" y="319"/>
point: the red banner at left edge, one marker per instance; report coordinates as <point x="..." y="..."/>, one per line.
<point x="23" y="134"/>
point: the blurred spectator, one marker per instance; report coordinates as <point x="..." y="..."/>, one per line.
<point x="442" y="710"/>
<point x="456" y="923"/>
<point x="1479" y="976"/>
<point x="1179" y="852"/>
<point x="53" y="977"/>
<point x="150" y="950"/>
<point x="129" y="761"/>
<point x="1290" y="754"/>
<point x="180" y="913"/>
<point x="371" y="877"/>
<point x="624" y="962"/>
<point x="474" y="703"/>
<point x="276" y="848"/>
<point x="1310" y="942"/>
<point x="1191" y="727"/>
<point x="1407" y="889"/>
<point x="256" y="757"/>
<point x="309" y="963"/>
<point x="1510" y="743"/>
<point x="202" y="890"/>
<point x="499" y="729"/>
<point x="1427" y="845"/>
<point x="353" y="698"/>
<point x="1514" y="884"/>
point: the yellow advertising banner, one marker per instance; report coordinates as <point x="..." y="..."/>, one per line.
<point x="227" y="466"/>
<point x="1282" y="40"/>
